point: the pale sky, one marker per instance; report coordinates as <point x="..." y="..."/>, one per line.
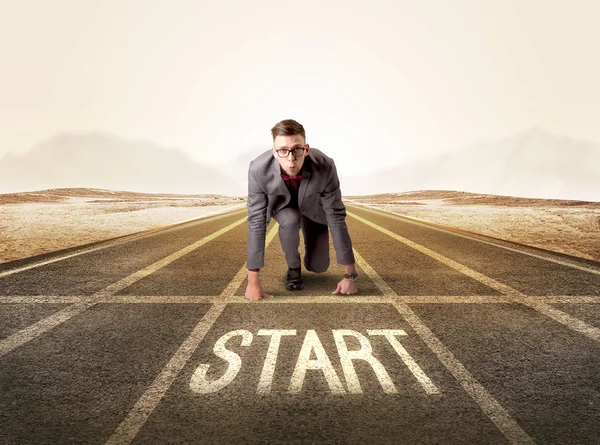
<point x="374" y="83"/>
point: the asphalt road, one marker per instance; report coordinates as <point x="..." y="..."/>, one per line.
<point x="450" y="339"/>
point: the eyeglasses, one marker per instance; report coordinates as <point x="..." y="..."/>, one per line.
<point x="284" y="152"/>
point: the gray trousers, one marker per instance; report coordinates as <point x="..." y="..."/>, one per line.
<point x="316" y="240"/>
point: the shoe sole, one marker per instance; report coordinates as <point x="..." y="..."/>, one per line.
<point x="292" y="287"/>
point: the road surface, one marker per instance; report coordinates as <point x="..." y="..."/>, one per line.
<point x="451" y="339"/>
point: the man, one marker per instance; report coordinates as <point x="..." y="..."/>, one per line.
<point x="298" y="187"/>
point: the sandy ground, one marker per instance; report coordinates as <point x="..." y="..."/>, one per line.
<point x="570" y="227"/>
<point x="36" y="223"/>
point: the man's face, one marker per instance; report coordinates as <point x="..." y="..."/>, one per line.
<point x="291" y="164"/>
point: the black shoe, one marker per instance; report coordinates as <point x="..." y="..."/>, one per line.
<point x="293" y="280"/>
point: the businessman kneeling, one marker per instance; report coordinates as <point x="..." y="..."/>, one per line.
<point x="298" y="187"/>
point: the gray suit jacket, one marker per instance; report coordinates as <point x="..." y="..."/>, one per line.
<point x="319" y="198"/>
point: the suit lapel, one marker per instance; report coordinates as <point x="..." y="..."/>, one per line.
<point x="306" y="174"/>
<point x="280" y="186"/>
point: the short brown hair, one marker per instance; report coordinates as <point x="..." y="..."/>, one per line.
<point x="288" y="127"/>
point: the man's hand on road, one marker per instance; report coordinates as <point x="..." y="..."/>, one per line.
<point x="255" y="291"/>
<point x="346" y="286"/>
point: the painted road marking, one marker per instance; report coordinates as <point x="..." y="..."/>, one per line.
<point x="390" y="335"/>
<point x="200" y="384"/>
<point x="512" y="294"/>
<point x="304" y="299"/>
<point x="490" y="406"/>
<point x="429" y="225"/>
<point x="268" y="371"/>
<point x="138" y="415"/>
<point x="111" y="243"/>
<point x="499" y="416"/>
<point x="365" y="353"/>
<point x="312" y="344"/>
<point x="20" y="338"/>
<point x="130" y="426"/>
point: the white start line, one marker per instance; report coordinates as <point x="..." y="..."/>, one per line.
<point x="200" y="384"/>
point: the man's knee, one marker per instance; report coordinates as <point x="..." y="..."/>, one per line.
<point x="318" y="265"/>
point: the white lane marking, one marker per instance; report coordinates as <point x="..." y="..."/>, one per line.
<point x="390" y="335"/>
<point x="430" y="225"/>
<point x="308" y="299"/>
<point x="321" y="362"/>
<point x="485" y="299"/>
<point x="305" y="299"/>
<point x="200" y="384"/>
<point x="129" y="280"/>
<point x="25" y="335"/>
<point x="29" y="333"/>
<point x="266" y="376"/>
<point x="490" y="282"/>
<point x="137" y="417"/>
<point x="44" y="299"/>
<point x="565" y="319"/>
<point x="365" y="353"/>
<point x="455" y="299"/>
<point x="561" y="299"/>
<point x="512" y="294"/>
<point x="490" y="406"/>
<point x="111" y="243"/>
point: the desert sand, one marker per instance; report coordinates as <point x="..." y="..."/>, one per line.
<point x="569" y="227"/>
<point x="33" y="223"/>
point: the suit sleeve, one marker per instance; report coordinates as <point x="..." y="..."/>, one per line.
<point x="335" y="211"/>
<point x="257" y="222"/>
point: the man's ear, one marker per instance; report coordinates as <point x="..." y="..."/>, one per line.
<point x="307" y="148"/>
